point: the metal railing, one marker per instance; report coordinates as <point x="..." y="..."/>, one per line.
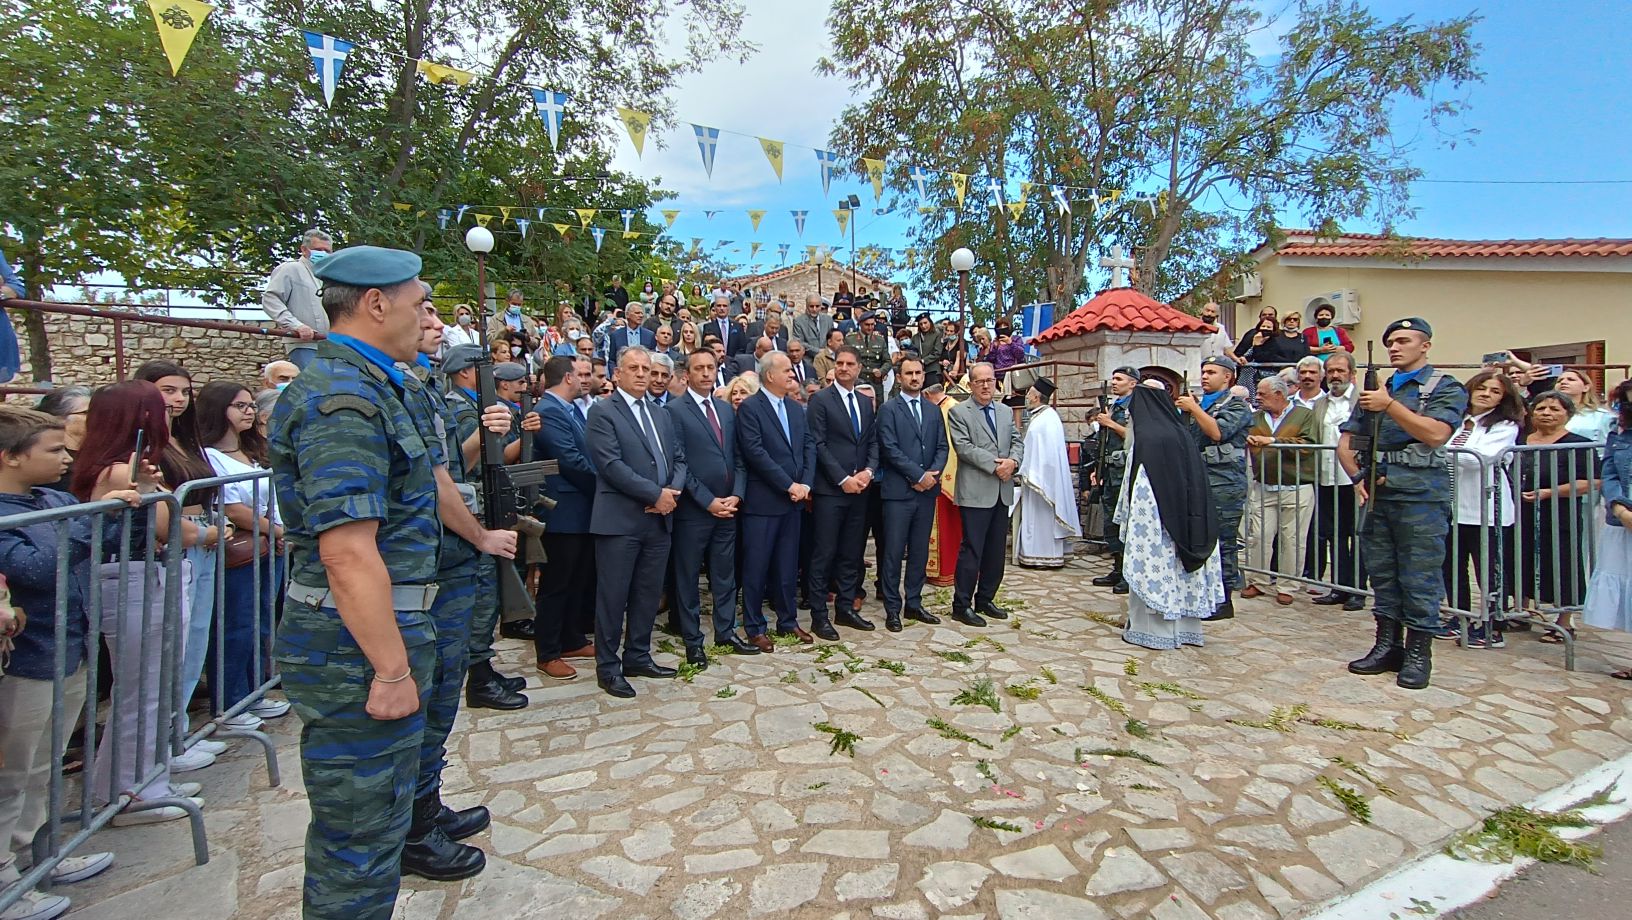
<point x="134" y="592"/>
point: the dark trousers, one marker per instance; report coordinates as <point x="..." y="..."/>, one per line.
<point x="980" y="558"/>
<point x="1336" y="550"/>
<point x="1110" y="492"/>
<point x="770" y="566"/>
<point x="697" y="538"/>
<point x="565" y="608"/>
<point x="625" y="602"/>
<point x="1462" y="548"/>
<point x="906" y="533"/>
<point x="840" y="524"/>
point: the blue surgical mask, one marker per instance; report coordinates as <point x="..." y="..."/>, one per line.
<point x="514" y="310"/>
<point x="280" y="386"/>
<point x="317" y="255"/>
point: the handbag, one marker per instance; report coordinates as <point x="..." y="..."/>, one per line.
<point x="244" y="547"/>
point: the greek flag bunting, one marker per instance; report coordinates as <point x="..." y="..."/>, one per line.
<point x="1062" y="203"/>
<point x="522" y="224"/>
<point x="442" y="218"/>
<point x="919" y="178"/>
<point x="328" y="56"/>
<point x="782" y="252"/>
<point x="600" y="234"/>
<point x="827" y="162"/>
<point x="708" y="142"/>
<point x="799" y="221"/>
<point x="994" y="185"/>
<point x="628" y="215"/>
<point x="550" y="106"/>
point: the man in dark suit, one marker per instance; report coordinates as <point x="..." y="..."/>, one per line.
<point x="912" y="451"/>
<point x="705" y="524"/>
<point x="780" y="459"/>
<point x="633" y="332"/>
<point x="641" y="471"/>
<point x="746" y="362"/>
<point x="803" y="371"/>
<point x="719" y="323"/>
<point x="566" y="592"/>
<point x="842" y="427"/>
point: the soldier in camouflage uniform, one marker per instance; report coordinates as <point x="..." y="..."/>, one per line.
<point x="356" y="484"/>
<point x="1403" y="537"/>
<point x="1113" y="433"/>
<point x="485" y="688"/>
<point x="875" y="351"/>
<point x="1219" y="422"/>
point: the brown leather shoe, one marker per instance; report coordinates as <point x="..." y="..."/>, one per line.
<point x="577" y="654"/>
<point x="762" y="642"/>
<point x="1252" y="591"/>
<point x="556" y="669"/>
<point x="1284" y="599"/>
<point x="804" y="637"/>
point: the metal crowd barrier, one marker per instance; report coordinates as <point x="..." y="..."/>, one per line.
<point x="134" y="593"/>
<point x="1530" y="558"/>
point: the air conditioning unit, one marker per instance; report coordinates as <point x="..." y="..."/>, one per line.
<point x="1346" y="303"/>
<point x="1245" y="285"/>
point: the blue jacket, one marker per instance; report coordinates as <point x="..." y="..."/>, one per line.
<point x="908" y="451"/>
<point x="619" y="339"/>
<point x="713" y="469"/>
<point x="561" y="438"/>
<point x="1617" y="473"/>
<point x="774" y="461"/>
<point x="627" y="481"/>
<point x="28" y="557"/>
<point x="840" y="452"/>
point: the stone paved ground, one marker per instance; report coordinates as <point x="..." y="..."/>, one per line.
<point x="720" y="798"/>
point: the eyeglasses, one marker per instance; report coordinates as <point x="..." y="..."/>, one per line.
<point x="242" y="406"/>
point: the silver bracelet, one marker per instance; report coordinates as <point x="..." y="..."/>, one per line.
<point x="395" y="680"/>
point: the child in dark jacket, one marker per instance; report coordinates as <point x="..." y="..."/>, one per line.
<point x="33" y="455"/>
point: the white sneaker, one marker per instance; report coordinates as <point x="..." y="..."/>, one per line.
<point x="270" y="708"/>
<point x="210" y="747"/>
<point x="36" y="906"/>
<point x="79" y="868"/>
<point x="246" y="721"/>
<point x="186" y="790"/>
<point x="129" y="818"/>
<point x="189" y="760"/>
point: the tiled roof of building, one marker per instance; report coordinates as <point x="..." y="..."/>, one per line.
<point x="1123" y="310"/>
<point x="1367" y="245"/>
<point x="839" y="271"/>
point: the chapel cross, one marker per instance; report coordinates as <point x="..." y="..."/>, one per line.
<point x="1119" y="264"/>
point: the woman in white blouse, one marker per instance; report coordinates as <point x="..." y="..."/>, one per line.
<point x="1591" y="420"/>
<point x="463" y="330"/>
<point x="1484" y="498"/>
<point x="235" y="446"/>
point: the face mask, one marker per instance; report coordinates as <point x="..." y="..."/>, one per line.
<point x="515" y="351"/>
<point x="514" y="311"/>
<point x="1323" y="322"/>
<point x="280" y="386"/>
<point x="464" y="319"/>
<point x="316" y="256"/>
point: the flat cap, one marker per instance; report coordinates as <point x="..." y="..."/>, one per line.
<point x="1221" y="361"/>
<point x="920" y="317"/>
<point x="369" y="266"/>
<point x="460" y="357"/>
<point x="510" y="371"/>
<point x="1409" y="324"/>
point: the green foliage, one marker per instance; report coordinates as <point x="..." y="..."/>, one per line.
<point x="792" y="677"/>
<point x="952" y="733"/>
<point x="983" y="693"/>
<point x="955" y="655"/>
<point x="996" y="825"/>
<point x="1366" y="775"/>
<point x="1281" y="719"/>
<point x="1109" y="702"/>
<point x="1131" y="667"/>
<point x="688" y="672"/>
<point x="844" y="742"/>
<point x="1011" y="731"/>
<point x="725" y="693"/>
<point x="834" y="675"/>
<point x="894" y="667"/>
<point x="984" y="768"/>
<point x="1153" y="689"/>
<point x="1048" y="675"/>
<point x="667" y="646"/>
<point x="1517" y="831"/>
<point x="1126" y="752"/>
<point x="784" y="641"/>
<point x="986" y="640"/>
<point x="1023" y="691"/>
<point x="870" y="695"/>
<point x="1357" y="806"/>
<point x="1137" y="728"/>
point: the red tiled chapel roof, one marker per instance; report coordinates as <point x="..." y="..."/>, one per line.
<point x="1123" y="310"/>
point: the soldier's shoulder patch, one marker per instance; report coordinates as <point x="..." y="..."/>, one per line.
<point x="350" y="401"/>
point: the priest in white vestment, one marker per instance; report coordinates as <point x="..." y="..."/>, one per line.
<point x="1048" y="498"/>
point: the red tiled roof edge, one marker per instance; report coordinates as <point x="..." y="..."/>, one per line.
<point x="1122" y="310"/>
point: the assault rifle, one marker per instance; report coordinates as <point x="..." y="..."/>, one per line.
<point x="1370" y="442"/>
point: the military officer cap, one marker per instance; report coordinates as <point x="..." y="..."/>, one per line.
<point x="369" y="267"/>
<point x="1221" y="361"/>
<point x="1043" y="386"/>
<point x="1409" y="324"/>
<point x="461" y="357"/>
<point x="1127" y="370"/>
<point x="869" y="315"/>
<point x="510" y="371"/>
<point x="921" y="316"/>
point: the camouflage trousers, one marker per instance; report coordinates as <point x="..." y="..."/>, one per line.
<point x="359" y="771"/>
<point x="484" y="620"/>
<point x="1230" y="502"/>
<point x="1403" y="543"/>
<point x="455" y="602"/>
<point x="1110" y="493"/>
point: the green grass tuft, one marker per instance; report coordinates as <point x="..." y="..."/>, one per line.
<point x="983" y="693"/>
<point x="844" y="742"/>
<point x="1131" y="667"/>
<point x="1048" y="675"/>
<point x="668" y="647"/>
<point x="1281" y="719"/>
<point x="689" y="671"/>
<point x="792" y="677"/>
<point x="1025" y="691"/>
<point x="869" y="695"/>
<point x="894" y="667"/>
<point x="1154" y="689"/>
<point x="1126" y="752"/>
<point x="726" y="692"/>
<point x="985" y="769"/>
<point x="995" y="825"/>
<point x="789" y="639"/>
<point x="1366" y="775"/>
<point x="1137" y="728"/>
<point x="952" y="733"/>
<point x="834" y="675"/>
<point x="1109" y="702"/>
<point x="955" y="655"/>
<point x="1011" y="731"/>
<point x="1357" y="806"/>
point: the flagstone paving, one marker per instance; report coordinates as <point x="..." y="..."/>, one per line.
<point x="1152" y="796"/>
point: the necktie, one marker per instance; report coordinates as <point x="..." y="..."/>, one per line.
<point x="799" y="373"/>
<point x="582" y="419"/>
<point x="990" y="421"/>
<point x="713" y="421"/>
<point x="652" y="442"/>
<point x="855" y="418"/>
<point x="782" y="416"/>
<point x="917" y="414"/>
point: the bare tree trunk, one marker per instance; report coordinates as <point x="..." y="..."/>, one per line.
<point x="39" y="345"/>
<point x="415" y="18"/>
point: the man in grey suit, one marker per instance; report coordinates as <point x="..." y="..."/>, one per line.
<point x="705" y="524"/>
<point x="989" y="453"/>
<point x="811" y="326"/>
<point x="640" y="474"/>
<point x="912" y="454"/>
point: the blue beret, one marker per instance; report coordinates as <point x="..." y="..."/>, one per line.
<point x="460" y="357"/>
<point x="1223" y="362"/>
<point x="369" y="266"/>
<point x="510" y="371"/>
<point x="1126" y="370"/>
<point x="1410" y="324"/>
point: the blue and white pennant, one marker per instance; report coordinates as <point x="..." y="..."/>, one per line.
<point x="708" y="143"/>
<point x="550" y="105"/>
<point x="920" y="177"/>
<point x="799" y="219"/>
<point x="827" y="162"/>
<point x="329" y="56"/>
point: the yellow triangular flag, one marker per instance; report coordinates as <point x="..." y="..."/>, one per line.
<point x="561" y="229"/>
<point x="669" y="217"/>
<point x="442" y="73"/>
<point x="401" y="205"/>
<point x="636" y="123"/>
<point x="1025" y="188"/>
<point x="630" y="234"/>
<point x="1015" y="207"/>
<point x="483" y="218"/>
<point x="753" y="250"/>
<point x="810" y="254"/>
<point x="1115" y="194"/>
<point x="875" y="172"/>
<point x="178" y="22"/>
<point x="756" y="217"/>
<point x="773" y="152"/>
<point x="843" y="217"/>
<point x="585" y="215"/>
<point x="960" y="184"/>
<point x="504" y="212"/>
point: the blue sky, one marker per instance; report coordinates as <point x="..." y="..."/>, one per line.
<point x="1552" y="107"/>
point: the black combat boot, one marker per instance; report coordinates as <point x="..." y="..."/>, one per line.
<point x="1386" y="654"/>
<point x="484" y="689"/>
<point x="429" y="853"/>
<point x="1113" y="577"/>
<point x="467" y="822"/>
<point x="1419" y="660"/>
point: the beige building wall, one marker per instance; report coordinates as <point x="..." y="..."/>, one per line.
<point x="1473" y="312"/>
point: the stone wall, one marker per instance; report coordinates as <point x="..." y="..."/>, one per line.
<point x="82" y="350"/>
<point x="1106" y="351"/>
